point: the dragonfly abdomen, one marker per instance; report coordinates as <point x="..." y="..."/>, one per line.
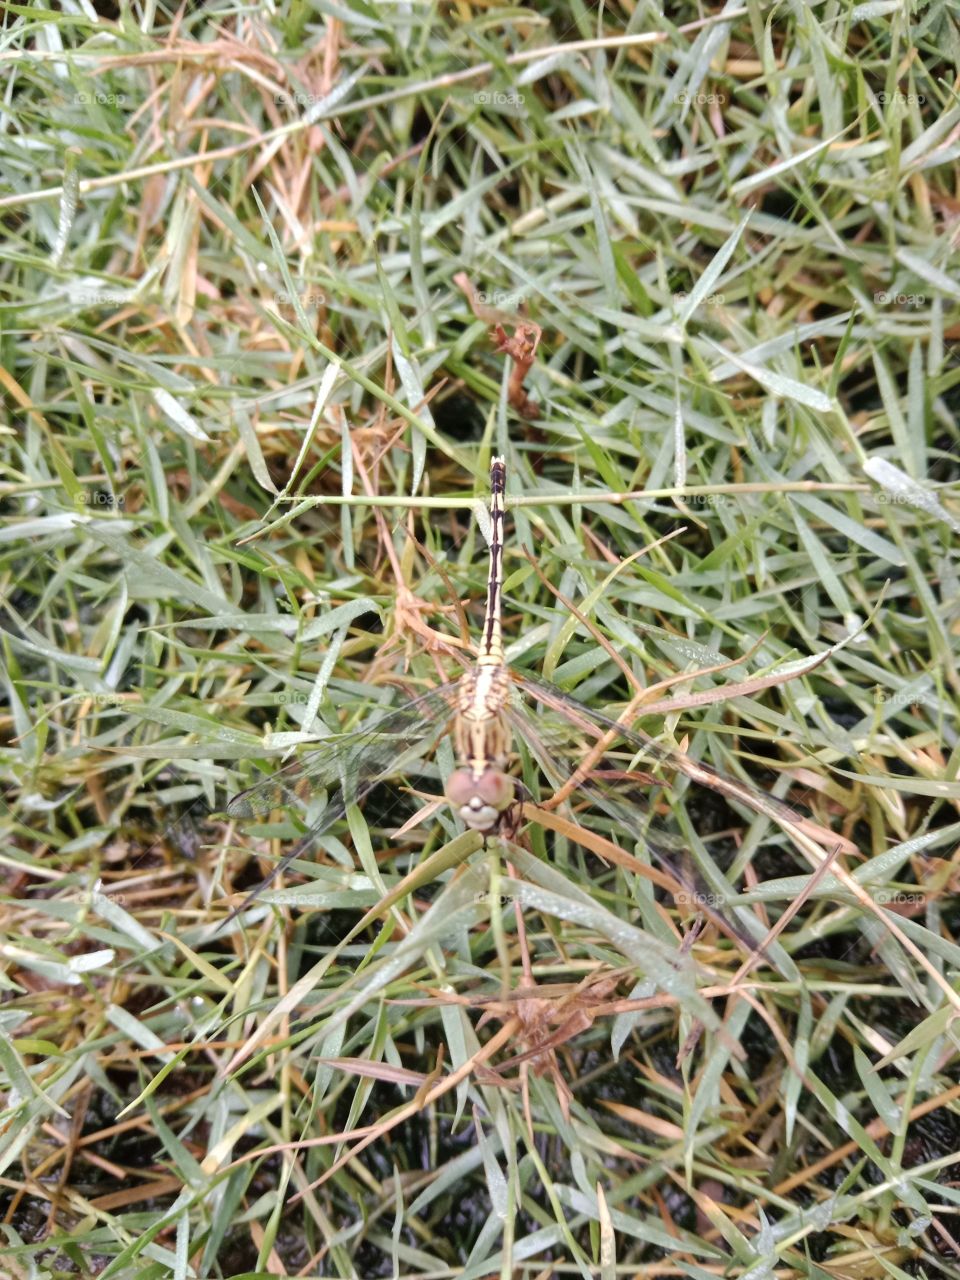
<point x="491" y="646"/>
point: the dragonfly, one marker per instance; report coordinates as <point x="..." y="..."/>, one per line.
<point x="485" y="710"/>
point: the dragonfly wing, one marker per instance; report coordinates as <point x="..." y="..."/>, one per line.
<point x="353" y="762"/>
<point x="618" y="789"/>
<point x="580" y="716"/>
<point x="334" y="811"/>
<point x="387" y="743"/>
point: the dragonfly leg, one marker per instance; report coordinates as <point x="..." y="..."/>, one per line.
<point x="512" y="816"/>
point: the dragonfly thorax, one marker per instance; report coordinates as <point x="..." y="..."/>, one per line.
<point x="479" y="790"/>
<point x="480" y="799"/>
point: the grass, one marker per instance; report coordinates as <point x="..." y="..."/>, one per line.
<point x="251" y="265"/>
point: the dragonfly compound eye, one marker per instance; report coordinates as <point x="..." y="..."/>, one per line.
<point x="496" y="789"/>
<point x="480" y="800"/>
<point x="460" y="787"/>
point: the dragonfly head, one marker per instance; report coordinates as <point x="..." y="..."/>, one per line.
<point x="480" y="799"/>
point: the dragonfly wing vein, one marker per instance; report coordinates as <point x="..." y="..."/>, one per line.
<point x="587" y="718"/>
<point x="354" y="762"/>
<point x="350" y="757"/>
<point x="618" y="793"/>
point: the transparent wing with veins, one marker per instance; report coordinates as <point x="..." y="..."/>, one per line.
<point x="615" y="785"/>
<point x="350" y="763"/>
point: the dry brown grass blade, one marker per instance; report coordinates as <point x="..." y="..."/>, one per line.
<point x="644" y="1120"/>
<point x="876" y="1128"/>
<point x="370" y="1133"/>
